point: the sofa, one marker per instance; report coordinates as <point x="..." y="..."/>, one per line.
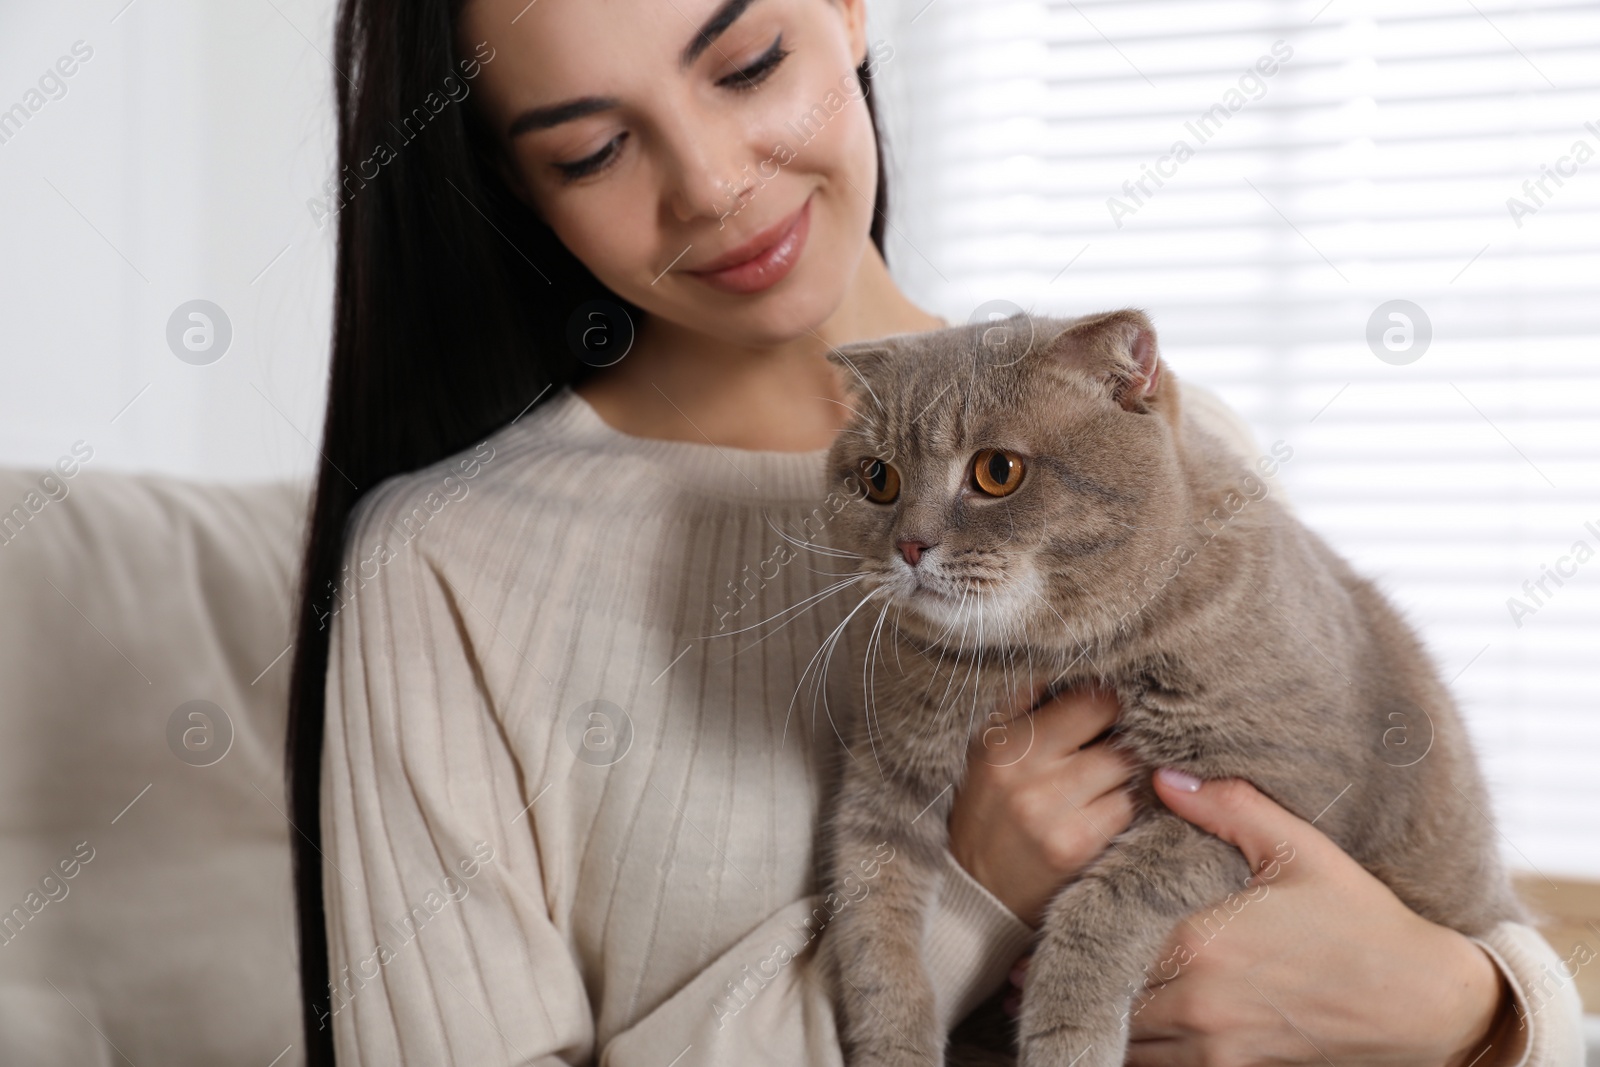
<point x="144" y="864"/>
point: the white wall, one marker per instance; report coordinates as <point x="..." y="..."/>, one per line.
<point x="175" y="167"/>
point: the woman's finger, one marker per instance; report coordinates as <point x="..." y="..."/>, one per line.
<point x="1057" y="729"/>
<point x="1093" y="772"/>
<point x="1068" y="721"/>
<point x="1083" y="832"/>
<point x="1019" y="974"/>
<point x="1240" y="814"/>
<point x="1163" y="1052"/>
<point x="1111" y="812"/>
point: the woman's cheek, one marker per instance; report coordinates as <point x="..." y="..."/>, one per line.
<point x="847" y="173"/>
<point x="841" y="153"/>
<point x="826" y="125"/>
<point x="607" y="231"/>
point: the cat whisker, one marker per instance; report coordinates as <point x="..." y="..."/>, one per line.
<point x="812" y="546"/>
<point x="972" y="715"/>
<point x="844" y="574"/>
<point x="943" y="644"/>
<point x="1027" y="648"/>
<point x="832" y="644"/>
<point x="1083" y="647"/>
<point x="855" y="431"/>
<point x="805" y="605"/>
<point x="874" y="444"/>
<point x="875" y="650"/>
<point x="945" y="700"/>
<point x="948" y="702"/>
<point x="942" y="640"/>
<point x="824" y="550"/>
<point x="869" y="676"/>
<point x="826" y="652"/>
<point x="808" y="602"/>
<point x="827" y="662"/>
<point x="848" y="407"/>
<point x="820" y="680"/>
<point x="1011" y="519"/>
<point x="897" y="663"/>
<point x="1009" y="666"/>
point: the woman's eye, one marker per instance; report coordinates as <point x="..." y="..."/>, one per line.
<point x="759" y="71"/>
<point x="592" y="164"/>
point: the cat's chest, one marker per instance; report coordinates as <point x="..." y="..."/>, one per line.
<point x="1169" y="719"/>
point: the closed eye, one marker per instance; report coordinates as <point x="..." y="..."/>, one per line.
<point x="741" y="80"/>
<point x="594" y="163"/>
<point x="757" y="72"/>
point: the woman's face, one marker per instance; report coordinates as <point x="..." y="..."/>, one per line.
<point x="711" y="161"/>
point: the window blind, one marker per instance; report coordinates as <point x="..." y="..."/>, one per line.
<point x="1274" y="183"/>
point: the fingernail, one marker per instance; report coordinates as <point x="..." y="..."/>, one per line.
<point x="1179" y="779"/>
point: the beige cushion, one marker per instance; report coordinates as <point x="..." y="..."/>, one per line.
<point x="122" y="600"/>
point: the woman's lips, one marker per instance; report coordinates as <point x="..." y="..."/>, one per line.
<point x="764" y="260"/>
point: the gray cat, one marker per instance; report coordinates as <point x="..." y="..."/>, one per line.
<point x="1033" y="503"/>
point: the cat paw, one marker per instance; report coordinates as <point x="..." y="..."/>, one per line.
<point x="896" y="1056"/>
<point x="1071" y="1046"/>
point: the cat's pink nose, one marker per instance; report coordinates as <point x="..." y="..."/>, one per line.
<point x="912" y="550"/>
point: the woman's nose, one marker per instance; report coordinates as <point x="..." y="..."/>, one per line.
<point x="704" y="189"/>
<point x="710" y="176"/>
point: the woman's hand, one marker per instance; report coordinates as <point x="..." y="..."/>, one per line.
<point x="1316" y="962"/>
<point x="1037" y="805"/>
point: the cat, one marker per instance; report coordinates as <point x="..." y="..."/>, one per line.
<point x="1031" y="501"/>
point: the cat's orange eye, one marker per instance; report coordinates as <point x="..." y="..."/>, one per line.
<point x="881" y="481"/>
<point x="997" y="472"/>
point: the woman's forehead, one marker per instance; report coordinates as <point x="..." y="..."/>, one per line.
<point x="580" y="34"/>
<point x="552" y="50"/>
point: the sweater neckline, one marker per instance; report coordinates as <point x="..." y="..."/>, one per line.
<point x="720" y="470"/>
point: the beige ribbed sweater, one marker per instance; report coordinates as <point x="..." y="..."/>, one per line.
<point x="518" y="874"/>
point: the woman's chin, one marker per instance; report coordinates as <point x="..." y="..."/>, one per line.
<point x="797" y="306"/>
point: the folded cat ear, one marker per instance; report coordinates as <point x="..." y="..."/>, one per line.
<point x="1118" y="346"/>
<point x="858" y="353"/>
<point x="859" y="360"/>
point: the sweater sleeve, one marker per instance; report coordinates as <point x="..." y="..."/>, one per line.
<point x="442" y="944"/>
<point x="1549" y="1029"/>
<point x="972" y="944"/>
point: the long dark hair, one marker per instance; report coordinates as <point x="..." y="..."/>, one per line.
<point x="450" y="307"/>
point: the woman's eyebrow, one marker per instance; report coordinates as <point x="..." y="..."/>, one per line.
<point x="714" y="27"/>
<point x="543" y="118"/>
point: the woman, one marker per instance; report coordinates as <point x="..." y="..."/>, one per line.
<point x="553" y="755"/>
